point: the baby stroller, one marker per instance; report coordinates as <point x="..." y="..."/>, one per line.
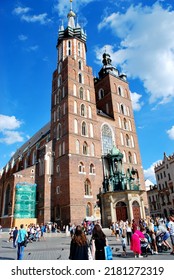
<point x="159" y="242"/>
<point x="145" y="245"/>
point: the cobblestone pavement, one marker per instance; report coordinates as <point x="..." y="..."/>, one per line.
<point x="56" y="247"/>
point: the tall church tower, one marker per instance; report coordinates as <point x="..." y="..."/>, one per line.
<point x="97" y="163"/>
<point x="73" y="125"/>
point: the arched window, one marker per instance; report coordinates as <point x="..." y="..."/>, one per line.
<point x="69" y="47"/>
<point x="59" y="80"/>
<point x="81" y="167"/>
<point x="6" y="200"/>
<point x="85" y="148"/>
<point x="75" y="126"/>
<point x="77" y="147"/>
<point x="80" y="78"/>
<point x="129" y="157"/>
<point x="125" y="124"/>
<point x="60" y="150"/>
<point x="58" y="112"/>
<point x="119" y="121"/>
<point x="87" y="186"/>
<point x="34" y="157"/>
<point x="83" y="110"/>
<point x="81" y="93"/>
<point x="91" y="169"/>
<point x="100" y="93"/>
<point x="63" y="92"/>
<point x="59" y="131"/>
<point x="107" y="139"/>
<point x="60" y="67"/>
<point x="79" y="49"/>
<point x="80" y="65"/>
<point x="84" y="129"/>
<point x="127" y="140"/>
<point x="63" y="148"/>
<point x="88" y="209"/>
<point x="120" y="91"/>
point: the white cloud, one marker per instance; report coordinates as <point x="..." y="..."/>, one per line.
<point x="41" y="18"/>
<point x="136" y="104"/>
<point x="8" y="126"/>
<point x="149" y="172"/>
<point x="20" y="10"/>
<point x="25" y="16"/>
<point x="64" y="6"/>
<point x="9" y="122"/>
<point x="22" y="37"/>
<point x="33" y="48"/>
<point x="11" y="137"/>
<point x="170" y="133"/>
<point x="146" y="49"/>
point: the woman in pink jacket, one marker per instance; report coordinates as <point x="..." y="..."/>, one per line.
<point x="135" y="243"/>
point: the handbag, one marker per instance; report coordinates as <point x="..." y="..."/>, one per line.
<point x="108" y="253"/>
<point x="89" y="254"/>
<point x="24" y="242"/>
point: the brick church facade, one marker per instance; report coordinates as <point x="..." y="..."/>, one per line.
<point x="91" y="118"/>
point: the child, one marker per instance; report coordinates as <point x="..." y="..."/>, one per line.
<point x="123" y="242"/>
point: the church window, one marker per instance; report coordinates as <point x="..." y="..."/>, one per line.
<point x="63" y="92"/>
<point x="60" y="150"/>
<point x="100" y="93"/>
<point x="58" y="113"/>
<point x="88" y="209"/>
<point x="83" y="110"/>
<point x="120" y="91"/>
<point x="107" y="139"/>
<point x="119" y="121"/>
<point x="81" y="93"/>
<point x="107" y="108"/>
<point x="6" y="200"/>
<point x="127" y="140"/>
<point x="79" y="49"/>
<point x="59" y="81"/>
<point x="59" y="131"/>
<point x="69" y="47"/>
<point x="130" y="157"/>
<point x="84" y="129"/>
<point x="63" y="148"/>
<point x="87" y="186"/>
<point x="91" y="169"/>
<point x="81" y="167"/>
<point x="130" y="126"/>
<point x="85" y="148"/>
<point x="80" y="78"/>
<point x="80" y="65"/>
<point x="60" y="67"/>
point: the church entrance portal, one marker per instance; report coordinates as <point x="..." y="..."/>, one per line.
<point x="121" y="211"/>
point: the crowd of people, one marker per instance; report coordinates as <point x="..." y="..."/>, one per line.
<point x="148" y="236"/>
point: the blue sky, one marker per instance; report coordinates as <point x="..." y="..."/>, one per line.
<point x="139" y="36"/>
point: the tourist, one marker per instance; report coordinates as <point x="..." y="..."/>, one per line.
<point x="171" y="232"/>
<point x="19" y="240"/>
<point x="99" y="241"/>
<point x="136" y="238"/>
<point x="79" y="245"/>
